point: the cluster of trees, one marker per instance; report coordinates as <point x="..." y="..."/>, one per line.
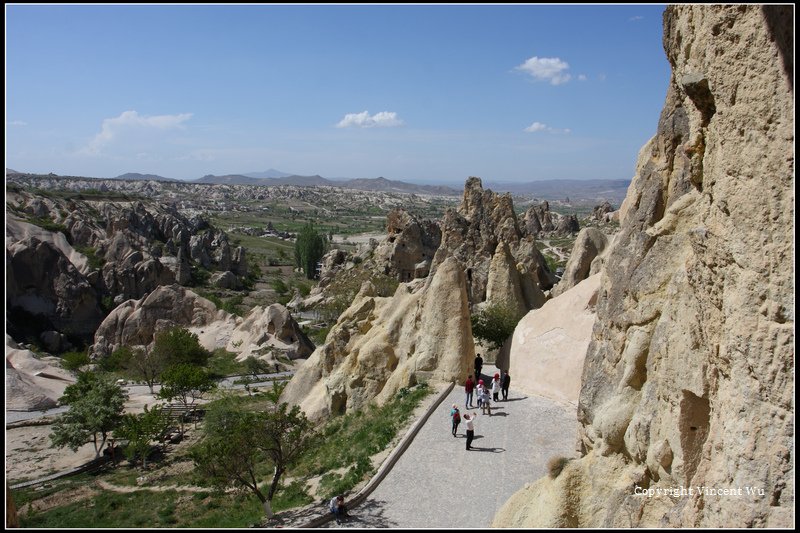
<point x="309" y="248"/>
<point x="237" y="444"/>
<point x="96" y="401"/>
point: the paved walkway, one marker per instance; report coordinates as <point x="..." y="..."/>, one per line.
<point x="438" y="484"/>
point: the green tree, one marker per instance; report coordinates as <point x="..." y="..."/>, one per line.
<point x="140" y="430"/>
<point x="256" y="366"/>
<point x="284" y="435"/>
<point x="309" y="247"/>
<point x="95" y="405"/>
<point x="146" y="366"/>
<point x="186" y="384"/>
<point x="228" y="454"/>
<point x="171" y="347"/>
<point x="494" y="324"/>
<point x="178" y="345"/>
<point x="236" y="442"/>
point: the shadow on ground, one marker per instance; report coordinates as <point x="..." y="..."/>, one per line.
<point x="370" y="514"/>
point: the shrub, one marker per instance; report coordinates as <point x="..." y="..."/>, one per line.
<point x="74" y="360"/>
<point x="555" y="465"/>
<point x="495" y="324"/>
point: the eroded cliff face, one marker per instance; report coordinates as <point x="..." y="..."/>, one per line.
<point x="688" y="381"/>
<point x="502" y="263"/>
<point x="381" y="344"/>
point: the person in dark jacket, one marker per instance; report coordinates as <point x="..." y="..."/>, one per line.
<point x="506" y="385"/>
<point x="478" y="367"/>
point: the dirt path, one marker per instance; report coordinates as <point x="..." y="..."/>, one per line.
<point x="105" y="485"/>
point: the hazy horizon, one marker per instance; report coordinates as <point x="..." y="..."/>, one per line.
<point x="421" y="94"/>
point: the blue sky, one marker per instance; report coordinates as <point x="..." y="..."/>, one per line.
<point x="416" y="93"/>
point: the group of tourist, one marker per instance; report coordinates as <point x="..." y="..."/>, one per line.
<point x="481" y="392"/>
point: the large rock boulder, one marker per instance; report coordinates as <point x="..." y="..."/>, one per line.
<point x="537" y="219"/>
<point x="136" y="322"/>
<point x="381" y="344"/>
<point x="33" y="383"/>
<point x="589" y="244"/>
<point x="688" y="385"/>
<point x="45" y="291"/>
<point x="271" y="326"/>
<point x="549" y="344"/>
<point x="408" y="245"/>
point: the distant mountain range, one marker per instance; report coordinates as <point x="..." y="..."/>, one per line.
<point x="271" y="173"/>
<point x="576" y="190"/>
<point x="363" y="184"/>
<point x="142" y="177"/>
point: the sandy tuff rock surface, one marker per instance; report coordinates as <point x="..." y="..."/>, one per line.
<point x="549" y="344"/>
<point x="688" y="381"/>
<point x="380" y="345"/>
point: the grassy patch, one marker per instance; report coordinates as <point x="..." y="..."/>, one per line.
<point x="49" y="225"/>
<point x="349" y="441"/>
<point x="95" y="261"/>
<point x="223" y="363"/>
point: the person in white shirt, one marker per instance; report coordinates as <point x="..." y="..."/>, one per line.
<point x="469" y="419"/>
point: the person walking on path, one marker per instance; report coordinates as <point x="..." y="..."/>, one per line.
<point x="486" y="404"/>
<point x="469" y="386"/>
<point x="455" y="416"/>
<point x="506" y="385"/>
<point x="479" y="392"/>
<point x="478" y="367"/>
<point x="496" y="388"/>
<point x="470" y="418"/>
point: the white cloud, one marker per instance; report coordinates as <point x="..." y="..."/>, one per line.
<point x="536" y="127"/>
<point x="17" y="123"/>
<point x="582" y="77"/>
<point x="550" y="69"/>
<point x="131" y="122"/>
<point x="384" y="119"/>
<point x="637" y="17"/>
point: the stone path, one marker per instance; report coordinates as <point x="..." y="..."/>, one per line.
<point x="438" y="484"/>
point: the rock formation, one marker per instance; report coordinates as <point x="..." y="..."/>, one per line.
<point x="45" y="291"/>
<point x="407" y="251"/>
<point x="568" y="225"/>
<point x="601" y="212"/>
<point x="688" y="381"/>
<point x="96" y="250"/>
<point x="266" y="333"/>
<point x="549" y="344"/>
<point x="33" y="383"/>
<point x="381" y="344"/>
<point x="273" y="323"/>
<point x="473" y="233"/>
<point x="537" y="219"/>
<point x="589" y="244"/>
<point x="136" y="322"/>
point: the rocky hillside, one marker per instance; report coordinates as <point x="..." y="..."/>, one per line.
<point x="381" y="344"/>
<point x="686" y="404"/>
<point x="265" y="333"/>
<point x="70" y="259"/>
<point x="503" y="265"/>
